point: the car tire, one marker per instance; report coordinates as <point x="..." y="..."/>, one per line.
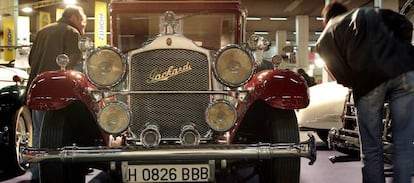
<point x="284" y="129"/>
<point x="19" y="136"/>
<point x="265" y="124"/>
<point x="62" y="128"/>
<point x="323" y="135"/>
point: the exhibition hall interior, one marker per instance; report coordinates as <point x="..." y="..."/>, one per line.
<point x="177" y="91"/>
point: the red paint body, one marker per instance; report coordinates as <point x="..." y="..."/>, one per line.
<point x="279" y="88"/>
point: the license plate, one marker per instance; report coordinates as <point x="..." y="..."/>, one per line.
<point x="167" y="173"/>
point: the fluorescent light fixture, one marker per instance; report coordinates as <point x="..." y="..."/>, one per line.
<point x="70" y="2"/>
<point x="318" y="33"/>
<point x="254" y="18"/>
<point x="261" y="32"/>
<point x="27" y="9"/>
<point x="319" y="18"/>
<point x="278" y="18"/>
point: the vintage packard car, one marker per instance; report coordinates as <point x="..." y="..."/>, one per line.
<point x="176" y="98"/>
<point x="15" y="120"/>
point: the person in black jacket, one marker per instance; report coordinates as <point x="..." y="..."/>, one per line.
<point x="369" y="50"/>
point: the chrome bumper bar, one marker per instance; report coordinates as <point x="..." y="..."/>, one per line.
<point x="305" y="149"/>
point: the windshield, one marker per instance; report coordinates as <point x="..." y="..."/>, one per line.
<point x="211" y="31"/>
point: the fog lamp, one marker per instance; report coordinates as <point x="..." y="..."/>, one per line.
<point x="233" y="65"/>
<point x="150" y="136"/>
<point x="189" y="135"/>
<point x="221" y="115"/>
<point x="105" y="67"/>
<point x="114" y="117"/>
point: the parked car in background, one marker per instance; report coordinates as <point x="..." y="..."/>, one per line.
<point x="325" y="109"/>
<point x="177" y="98"/>
<point x="15" y="121"/>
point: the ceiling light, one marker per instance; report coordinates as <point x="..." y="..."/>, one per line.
<point x="70" y="2"/>
<point x="278" y="18"/>
<point x="261" y="32"/>
<point x="318" y="33"/>
<point x="254" y="18"/>
<point x="27" y="9"/>
<point x="319" y="18"/>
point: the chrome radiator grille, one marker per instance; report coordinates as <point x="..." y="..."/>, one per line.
<point x="169" y="111"/>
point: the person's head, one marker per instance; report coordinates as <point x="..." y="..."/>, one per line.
<point x="332" y="10"/>
<point x="76" y="16"/>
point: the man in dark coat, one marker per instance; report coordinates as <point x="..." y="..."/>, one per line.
<point x="370" y="51"/>
<point x="57" y="38"/>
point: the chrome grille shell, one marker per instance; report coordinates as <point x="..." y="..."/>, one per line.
<point x="169" y="111"/>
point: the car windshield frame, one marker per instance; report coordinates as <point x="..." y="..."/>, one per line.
<point x="211" y="24"/>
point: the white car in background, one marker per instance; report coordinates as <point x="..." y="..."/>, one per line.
<point x="7" y="73"/>
<point x="324" y="110"/>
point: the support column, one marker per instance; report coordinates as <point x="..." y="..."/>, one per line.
<point x="281" y="38"/>
<point x="302" y="41"/>
<point x="387" y="4"/>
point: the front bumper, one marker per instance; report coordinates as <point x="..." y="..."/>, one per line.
<point x="74" y="154"/>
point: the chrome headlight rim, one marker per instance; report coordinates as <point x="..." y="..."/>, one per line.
<point x="220" y="53"/>
<point x="233" y="110"/>
<point x="122" y="106"/>
<point x="121" y="77"/>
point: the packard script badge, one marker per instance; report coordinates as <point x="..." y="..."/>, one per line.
<point x="158" y="75"/>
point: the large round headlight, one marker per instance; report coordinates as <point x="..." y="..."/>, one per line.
<point x="105" y="67"/>
<point x="221" y="115"/>
<point x="233" y="65"/>
<point x="114" y="117"/>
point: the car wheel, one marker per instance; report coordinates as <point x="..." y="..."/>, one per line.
<point x="284" y="129"/>
<point x="265" y="124"/>
<point x="323" y="135"/>
<point x="20" y="136"/>
<point x="56" y="133"/>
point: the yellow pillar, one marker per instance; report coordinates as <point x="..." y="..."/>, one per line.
<point x="10" y="13"/>
<point x="100" y="23"/>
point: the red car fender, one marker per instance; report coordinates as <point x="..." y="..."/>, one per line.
<point x="279" y="88"/>
<point x="55" y="90"/>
